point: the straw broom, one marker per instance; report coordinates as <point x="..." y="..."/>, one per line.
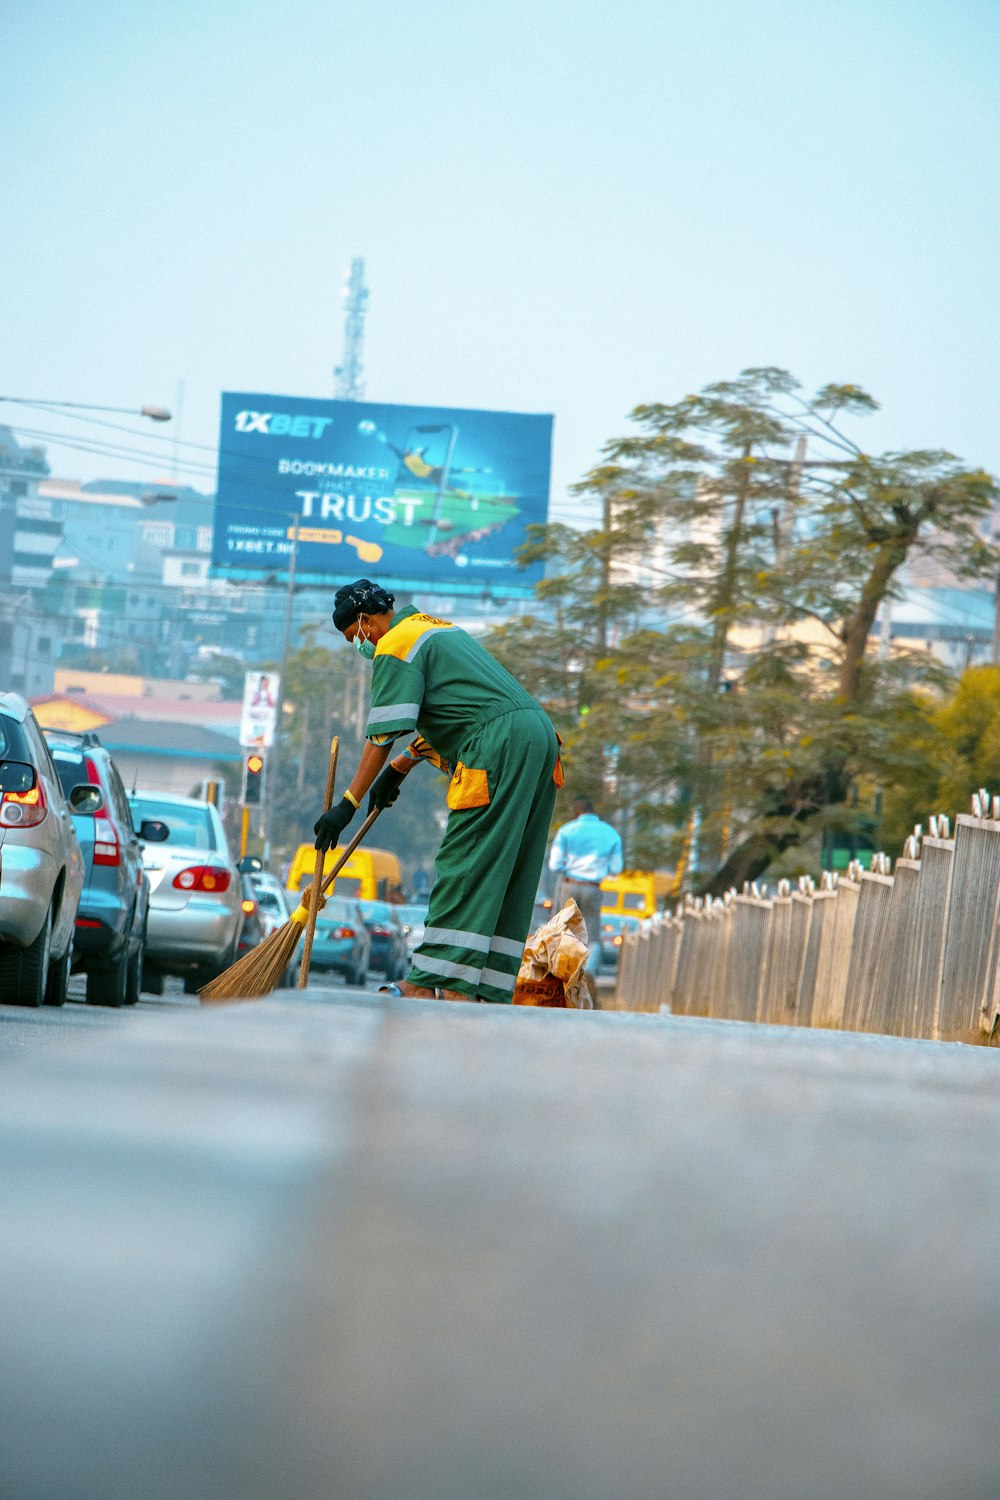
<point x="259" y="972"/>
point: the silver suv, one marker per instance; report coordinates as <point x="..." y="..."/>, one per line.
<point x="195" y="901"/>
<point x="41" y="866"/>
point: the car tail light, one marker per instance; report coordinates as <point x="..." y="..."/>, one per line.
<point x="249" y="907"/>
<point x="342" y="932"/>
<point x="380" y="931"/>
<point x="86" y="922"/>
<point x="618" y="940"/>
<point x="106" y="850"/>
<point x="23" y="809"/>
<point x="203" y="878"/>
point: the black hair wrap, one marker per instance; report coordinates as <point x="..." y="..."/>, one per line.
<point x="360" y="598"/>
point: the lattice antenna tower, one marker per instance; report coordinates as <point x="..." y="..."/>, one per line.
<point x="350" y="374"/>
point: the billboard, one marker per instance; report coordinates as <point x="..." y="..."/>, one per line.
<point x="431" y="496"/>
<point x="260" y="710"/>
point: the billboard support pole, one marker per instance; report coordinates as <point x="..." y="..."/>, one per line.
<point x="244" y="830"/>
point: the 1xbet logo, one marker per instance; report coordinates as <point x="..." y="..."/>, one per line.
<point x="281" y="424"/>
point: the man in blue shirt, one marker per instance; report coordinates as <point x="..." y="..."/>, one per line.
<point x="585" y="852"/>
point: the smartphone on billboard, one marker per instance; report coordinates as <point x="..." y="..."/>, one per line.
<point x="425" y="463"/>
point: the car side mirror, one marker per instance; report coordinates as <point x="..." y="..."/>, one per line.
<point x="250" y="864"/>
<point x="86" y="799"/>
<point x="152" y="831"/>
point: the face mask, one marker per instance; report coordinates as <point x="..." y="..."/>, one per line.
<point x="363" y="646"/>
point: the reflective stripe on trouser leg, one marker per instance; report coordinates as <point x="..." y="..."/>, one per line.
<point x="518" y="904"/>
<point x="487" y="869"/>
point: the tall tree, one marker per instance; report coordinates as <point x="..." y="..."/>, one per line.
<point x="717" y="621"/>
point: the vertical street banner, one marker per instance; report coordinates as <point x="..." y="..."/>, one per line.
<point x="260" y="710"/>
<point x="426" y="495"/>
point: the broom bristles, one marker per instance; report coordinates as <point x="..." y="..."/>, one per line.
<point x="257" y="973"/>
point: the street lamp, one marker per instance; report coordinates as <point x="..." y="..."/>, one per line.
<point x="154" y="413"/>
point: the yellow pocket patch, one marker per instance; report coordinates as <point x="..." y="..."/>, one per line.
<point x="468" y="788"/>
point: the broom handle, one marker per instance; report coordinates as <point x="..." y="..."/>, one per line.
<point x="314" y="892"/>
<point x="355" y="841"/>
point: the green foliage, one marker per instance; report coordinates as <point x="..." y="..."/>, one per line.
<point x="951" y="750"/>
<point x="228" y="671"/>
<point x="707" y="643"/>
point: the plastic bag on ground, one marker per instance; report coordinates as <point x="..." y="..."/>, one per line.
<point x="552" y="970"/>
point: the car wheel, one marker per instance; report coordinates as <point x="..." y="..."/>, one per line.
<point x="133" y="979"/>
<point x="24" y="972"/>
<point x="361" y="976"/>
<point x="107" y="984"/>
<point x="57" y="987"/>
<point x="152" y="981"/>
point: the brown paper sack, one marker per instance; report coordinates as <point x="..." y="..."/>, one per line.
<point x="552" y="969"/>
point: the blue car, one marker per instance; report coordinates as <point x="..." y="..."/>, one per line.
<point x="385" y="928"/>
<point x="614" y="929"/>
<point x="342" y="944"/>
<point x="110" y="935"/>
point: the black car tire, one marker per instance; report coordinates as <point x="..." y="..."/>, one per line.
<point x="133" y="980"/>
<point x="360" y="976"/>
<point x="107" y="983"/>
<point x="57" y="985"/>
<point x="152" y="981"/>
<point x="24" y="972"/>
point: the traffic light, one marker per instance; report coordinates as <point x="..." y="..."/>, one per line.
<point x="253" y="779"/>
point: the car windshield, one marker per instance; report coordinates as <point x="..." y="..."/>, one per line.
<point x="189" y="826"/>
<point x="338" y="911"/>
<point x="620" y="924"/>
<point x="412" y="914"/>
<point x="383" y="910"/>
<point x="70" y="768"/>
<point x="267" y="900"/>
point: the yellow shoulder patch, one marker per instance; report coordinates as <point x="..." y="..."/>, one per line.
<point x="403" y="638"/>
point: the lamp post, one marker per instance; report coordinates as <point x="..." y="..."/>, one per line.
<point x="153" y="413"/>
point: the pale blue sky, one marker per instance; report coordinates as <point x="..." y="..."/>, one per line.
<point x="564" y="207"/>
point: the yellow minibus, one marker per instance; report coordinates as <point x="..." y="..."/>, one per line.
<point x="631" y="894"/>
<point x="368" y="875"/>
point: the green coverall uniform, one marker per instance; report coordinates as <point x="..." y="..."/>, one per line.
<point x="431" y="676"/>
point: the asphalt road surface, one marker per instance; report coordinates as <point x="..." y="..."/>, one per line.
<point x="344" y="1248"/>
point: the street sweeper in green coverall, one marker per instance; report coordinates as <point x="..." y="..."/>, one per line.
<point x="474" y="720"/>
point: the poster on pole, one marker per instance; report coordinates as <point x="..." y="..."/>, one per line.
<point x="438" y="496"/>
<point x="260" y="710"/>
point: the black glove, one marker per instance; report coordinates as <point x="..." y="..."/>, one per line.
<point x="330" y="825"/>
<point x="385" y="788"/>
